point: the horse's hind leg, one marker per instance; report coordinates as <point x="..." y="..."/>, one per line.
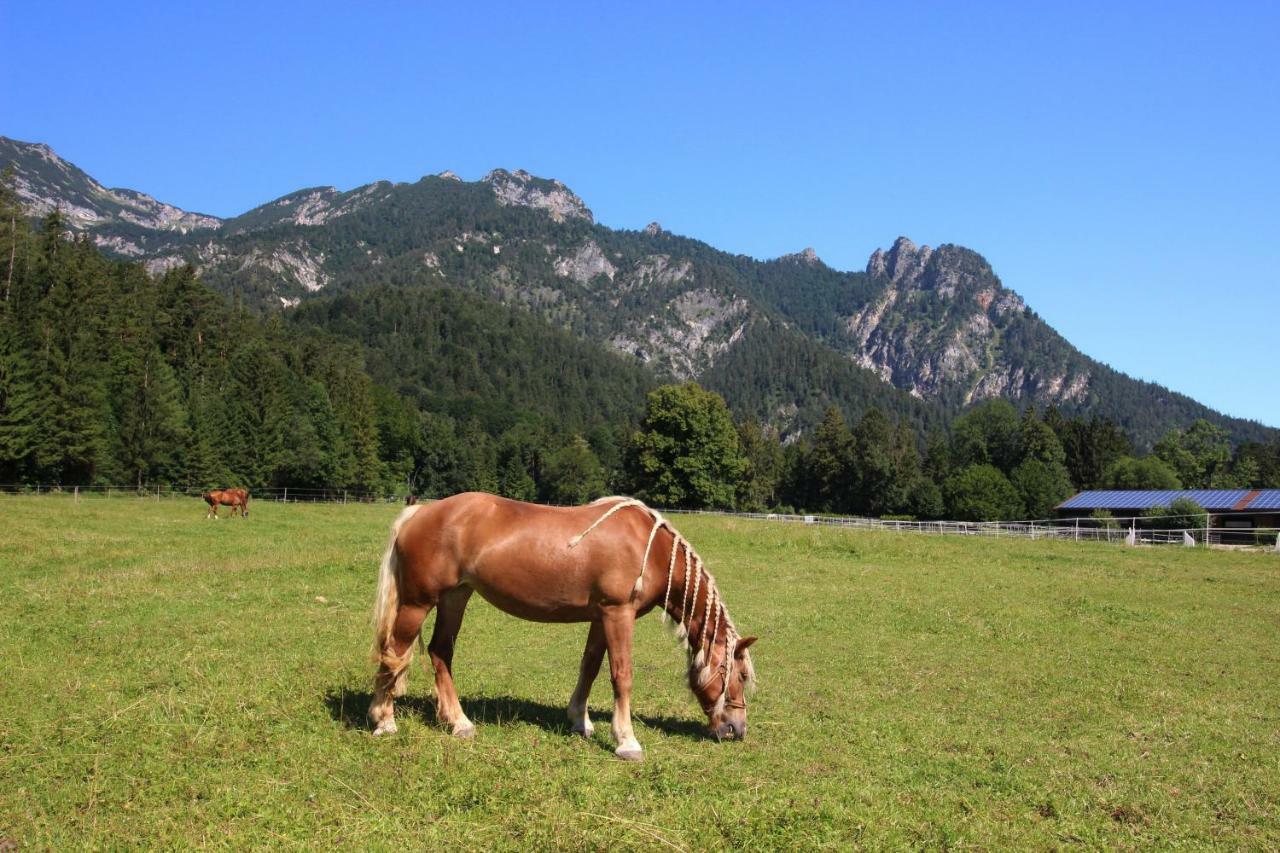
<point x="393" y="670"/>
<point x="591" y="659"/>
<point x="449" y="613"/>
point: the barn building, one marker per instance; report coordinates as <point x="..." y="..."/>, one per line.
<point x="1242" y="509"/>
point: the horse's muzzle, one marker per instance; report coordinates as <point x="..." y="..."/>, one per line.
<point x="731" y="730"/>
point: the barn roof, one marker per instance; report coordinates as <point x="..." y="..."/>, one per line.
<point x="1217" y="500"/>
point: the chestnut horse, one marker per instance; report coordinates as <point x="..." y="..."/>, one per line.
<point x="234" y="498"/>
<point x="607" y="563"/>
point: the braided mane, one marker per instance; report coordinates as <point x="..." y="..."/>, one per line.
<point x="699" y="648"/>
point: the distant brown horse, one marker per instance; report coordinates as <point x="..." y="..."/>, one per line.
<point x="234" y="498"/>
<point x="607" y="563"/>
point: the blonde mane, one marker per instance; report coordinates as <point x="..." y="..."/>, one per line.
<point x="699" y="649"/>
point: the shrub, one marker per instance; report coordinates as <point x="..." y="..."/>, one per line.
<point x="1180" y="514"/>
<point x="1042" y="486"/>
<point x="982" y="493"/>
<point x="1104" y="519"/>
<point x="1146" y="473"/>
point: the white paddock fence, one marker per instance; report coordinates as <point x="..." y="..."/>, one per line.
<point x="1126" y="531"/>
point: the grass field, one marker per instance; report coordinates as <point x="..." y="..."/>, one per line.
<point x="169" y="681"/>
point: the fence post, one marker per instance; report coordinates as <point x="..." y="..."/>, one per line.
<point x="157" y="494"/>
<point x="286" y="494"/>
<point x="344" y="497"/>
<point x="77" y="494"/>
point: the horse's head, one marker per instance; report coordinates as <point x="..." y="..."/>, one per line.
<point x="721" y="687"/>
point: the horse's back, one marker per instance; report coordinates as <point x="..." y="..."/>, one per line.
<point x="518" y="555"/>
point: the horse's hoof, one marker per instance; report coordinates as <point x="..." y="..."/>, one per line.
<point x="584" y="733"/>
<point x="386" y="727"/>
<point x="632" y="754"/>
<point x="466" y="732"/>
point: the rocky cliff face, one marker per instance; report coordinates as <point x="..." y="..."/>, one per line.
<point x="935" y="325"/>
<point x="45" y="182"/>
<point x="521" y="189"/>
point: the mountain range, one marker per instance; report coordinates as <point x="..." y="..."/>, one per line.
<point x="921" y="332"/>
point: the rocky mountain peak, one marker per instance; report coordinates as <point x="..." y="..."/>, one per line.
<point x="809" y="257"/>
<point x="45" y="182"/>
<point x="521" y="189"/>
<point x="904" y="262"/>
<point x="653" y="229"/>
<point x="448" y="175"/>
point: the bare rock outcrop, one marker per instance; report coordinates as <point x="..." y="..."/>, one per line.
<point x="587" y="262"/>
<point x="521" y="189"/>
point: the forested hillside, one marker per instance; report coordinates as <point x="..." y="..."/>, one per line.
<point x="111" y="375"/>
<point x="922" y="334"/>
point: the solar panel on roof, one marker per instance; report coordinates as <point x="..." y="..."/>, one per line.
<point x="1116" y="499"/>
<point x="1141" y="499"/>
<point x="1216" y="498"/>
<point x="1269" y="499"/>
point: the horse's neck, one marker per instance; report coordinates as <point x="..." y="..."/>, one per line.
<point x="694" y="603"/>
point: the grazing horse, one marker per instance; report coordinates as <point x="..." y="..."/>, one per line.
<point x="234" y="498"/>
<point x="607" y="563"/>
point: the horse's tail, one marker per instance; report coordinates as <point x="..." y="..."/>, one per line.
<point x="387" y="600"/>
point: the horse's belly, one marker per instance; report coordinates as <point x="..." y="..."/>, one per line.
<point x="541" y="594"/>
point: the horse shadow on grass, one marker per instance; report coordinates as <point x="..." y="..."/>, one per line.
<point x="350" y="708"/>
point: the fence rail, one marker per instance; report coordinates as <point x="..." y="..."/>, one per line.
<point x="288" y="494"/>
<point x="1065" y="529"/>
<point x="1124" y="531"/>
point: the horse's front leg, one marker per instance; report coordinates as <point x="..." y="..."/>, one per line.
<point x="591" y="659"/>
<point x="619" y="623"/>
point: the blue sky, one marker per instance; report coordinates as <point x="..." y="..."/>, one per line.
<point x="1118" y="164"/>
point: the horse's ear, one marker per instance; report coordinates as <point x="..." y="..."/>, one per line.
<point x="744" y="644"/>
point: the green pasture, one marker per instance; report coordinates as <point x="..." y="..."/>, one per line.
<point x="170" y="681"/>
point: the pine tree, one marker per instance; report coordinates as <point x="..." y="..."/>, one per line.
<point x="152" y="421"/>
<point x="260" y="414"/>
<point x="514" y="481"/>
<point x="878" y="491"/>
<point x="758" y="488"/>
<point x="18" y="407"/>
<point x="831" y="464"/>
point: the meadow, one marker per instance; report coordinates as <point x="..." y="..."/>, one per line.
<point x="171" y="681"/>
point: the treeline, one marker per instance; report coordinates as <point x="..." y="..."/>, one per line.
<point x="109" y="375"/>
<point x="998" y="464"/>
